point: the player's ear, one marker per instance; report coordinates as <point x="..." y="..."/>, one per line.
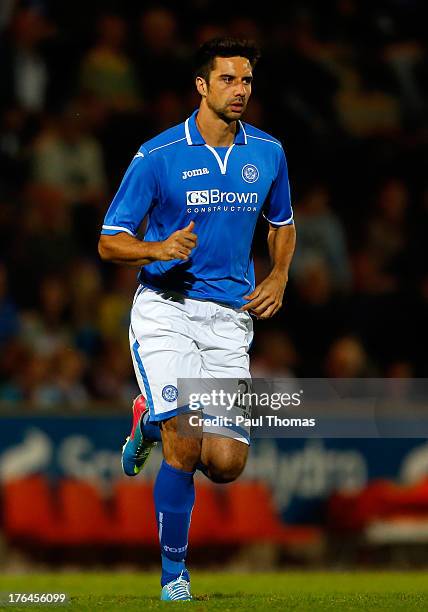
<point x="201" y="86"/>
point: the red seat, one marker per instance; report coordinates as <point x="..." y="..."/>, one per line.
<point x="352" y="511"/>
<point x="412" y="500"/>
<point x="135" y="513"/>
<point x="84" y="518"/>
<point x="209" y="520"/>
<point x="341" y="514"/>
<point x="252" y="517"/>
<point x="380" y="499"/>
<point x="28" y="511"/>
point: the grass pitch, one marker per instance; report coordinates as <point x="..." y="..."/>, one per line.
<point x="285" y="591"/>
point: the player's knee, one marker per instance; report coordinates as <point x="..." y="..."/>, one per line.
<point x="184" y="458"/>
<point x="182" y="453"/>
<point x="223" y="469"/>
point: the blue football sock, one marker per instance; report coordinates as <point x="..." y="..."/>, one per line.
<point x="174" y="494"/>
<point x="151" y="431"/>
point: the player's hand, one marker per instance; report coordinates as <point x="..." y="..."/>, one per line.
<point x="179" y="245"/>
<point x="266" y="299"/>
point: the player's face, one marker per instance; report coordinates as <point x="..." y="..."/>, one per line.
<point x="229" y="87"/>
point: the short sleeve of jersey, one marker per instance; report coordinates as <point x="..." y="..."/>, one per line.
<point x="277" y="209"/>
<point x="137" y="192"/>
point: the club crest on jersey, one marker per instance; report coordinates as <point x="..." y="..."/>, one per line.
<point x="197" y="172"/>
<point x="250" y="173"/>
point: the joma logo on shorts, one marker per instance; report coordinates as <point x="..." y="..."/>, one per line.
<point x="198" y="172"/>
<point x="215" y="196"/>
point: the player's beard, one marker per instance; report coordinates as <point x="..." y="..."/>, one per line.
<point x="225" y="113"/>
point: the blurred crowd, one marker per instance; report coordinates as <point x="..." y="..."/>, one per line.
<point x="343" y="85"/>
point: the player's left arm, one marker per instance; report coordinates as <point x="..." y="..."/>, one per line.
<point x="266" y="299"/>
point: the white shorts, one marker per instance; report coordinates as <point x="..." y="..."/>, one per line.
<point x="174" y="337"/>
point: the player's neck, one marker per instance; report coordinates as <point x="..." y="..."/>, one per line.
<point x="215" y="131"/>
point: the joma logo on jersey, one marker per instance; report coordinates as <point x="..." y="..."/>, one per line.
<point x="215" y="196"/>
<point x="197" y="172"/>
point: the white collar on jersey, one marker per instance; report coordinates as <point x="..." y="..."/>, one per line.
<point x="194" y="137"/>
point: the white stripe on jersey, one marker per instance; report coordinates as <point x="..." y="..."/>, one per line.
<point x="118" y="227"/>
<point x="166" y="145"/>
<point x="266" y="139"/>
<point x="186" y="129"/>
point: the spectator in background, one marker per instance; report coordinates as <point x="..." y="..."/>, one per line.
<point x="46" y="231"/>
<point x="47" y="330"/>
<point x="405" y="59"/>
<point x="34" y="379"/>
<point x="112" y="377"/>
<point x="416" y="328"/>
<point x="321" y="237"/>
<point x="169" y="110"/>
<point x="400" y="369"/>
<point x="6" y="10"/>
<point x="24" y="69"/>
<point x="387" y="229"/>
<point x="365" y="111"/>
<point x="52" y="382"/>
<point x="9" y="319"/>
<point x="207" y="31"/>
<point x="379" y="262"/>
<point x="383" y="270"/>
<point x="86" y="295"/>
<point x="113" y="314"/>
<point x="66" y="156"/>
<point x="107" y="70"/>
<point x="313" y="314"/>
<point x="306" y="96"/>
<point x="60" y="383"/>
<point x="69" y="375"/>
<point x="162" y="57"/>
<point x="113" y="97"/>
<point x="347" y="358"/>
<point x="13" y="358"/>
<point x="245" y="26"/>
<point x="14" y="137"/>
<point x="274" y="355"/>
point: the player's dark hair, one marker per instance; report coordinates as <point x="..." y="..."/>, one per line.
<point x="224" y="46"/>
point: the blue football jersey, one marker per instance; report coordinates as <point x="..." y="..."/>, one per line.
<point x="175" y="178"/>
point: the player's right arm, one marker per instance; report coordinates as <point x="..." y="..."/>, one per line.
<point x="138" y="191"/>
<point x="125" y="249"/>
